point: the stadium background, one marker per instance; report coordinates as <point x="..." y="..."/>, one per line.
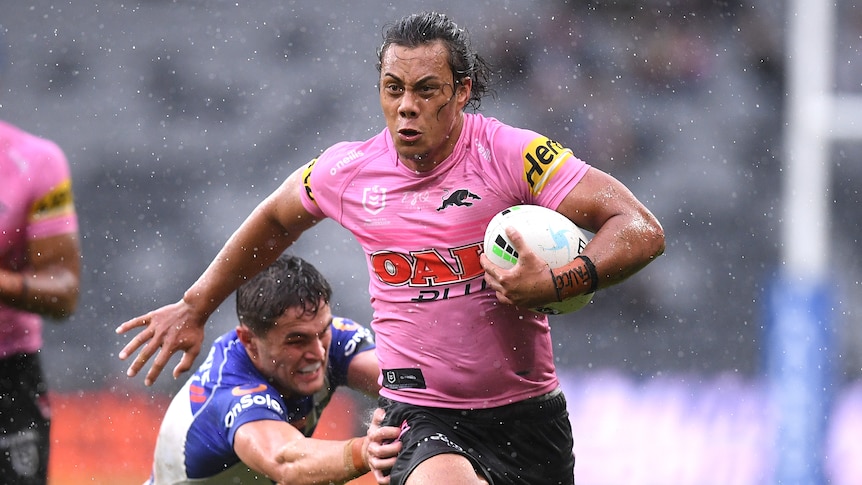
<point x="178" y="117"/>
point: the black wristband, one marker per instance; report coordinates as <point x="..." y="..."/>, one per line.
<point x="594" y="275"/>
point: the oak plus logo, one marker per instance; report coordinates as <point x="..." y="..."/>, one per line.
<point x="430" y="274"/>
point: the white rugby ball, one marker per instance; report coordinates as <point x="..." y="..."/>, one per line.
<point x="551" y="235"/>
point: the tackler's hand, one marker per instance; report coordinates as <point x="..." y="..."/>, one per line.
<point x="383" y="447"/>
<point x="169" y="329"/>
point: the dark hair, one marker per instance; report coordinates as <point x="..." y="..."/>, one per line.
<point x="288" y="283"/>
<point x="423" y="28"/>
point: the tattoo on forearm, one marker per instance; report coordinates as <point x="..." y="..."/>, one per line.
<point x="580" y="276"/>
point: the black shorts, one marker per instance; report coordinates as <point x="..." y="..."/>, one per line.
<point x="529" y="442"/>
<point x="24" y="421"/>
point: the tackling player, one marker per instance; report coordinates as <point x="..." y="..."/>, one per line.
<point x="247" y="414"/>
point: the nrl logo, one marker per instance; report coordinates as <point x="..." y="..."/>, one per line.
<point x="374" y="199"/>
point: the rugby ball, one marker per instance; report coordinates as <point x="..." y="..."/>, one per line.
<point x="551" y="235"/>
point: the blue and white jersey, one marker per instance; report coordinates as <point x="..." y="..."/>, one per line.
<point x="195" y="440"/>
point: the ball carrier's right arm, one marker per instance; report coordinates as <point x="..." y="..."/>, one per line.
<point x="279" y="220"/>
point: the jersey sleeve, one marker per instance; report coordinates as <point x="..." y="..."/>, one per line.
<point x="328" y="178"/>
<point x="323" y="178"/>
<point x="309" y="195"/>
<point x="532" y="167"/>
<point x="248" y="403"/>
<point x="348" y="340"/>
<point x="53" y="210"/>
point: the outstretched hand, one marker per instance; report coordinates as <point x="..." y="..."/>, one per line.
<point x="169" y="329"/>
<point x="528" y="284"/>
<point x="383" y="447"/>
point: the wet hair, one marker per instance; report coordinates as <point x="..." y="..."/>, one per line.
<point x="423" y="28"/>
<point x="290" y="282"/>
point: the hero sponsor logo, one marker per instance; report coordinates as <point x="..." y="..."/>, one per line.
<point x="428" y="269"/>
<point x="542" y="158"/>
<point x="248" y="401"/>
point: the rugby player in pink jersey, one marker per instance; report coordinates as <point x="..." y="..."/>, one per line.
<point x="39" y="276"/>
<point x="467" y="370"/>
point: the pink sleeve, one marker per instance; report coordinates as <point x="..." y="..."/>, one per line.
<point x="53" y="210"/>
<point x="309" y="202"/>
<point x="549" y="169"/>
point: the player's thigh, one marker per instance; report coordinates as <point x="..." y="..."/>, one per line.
<point x="449" y="468"/>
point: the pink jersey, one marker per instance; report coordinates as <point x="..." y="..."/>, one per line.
<point x="35" y="202"/>
<point x="443" y="339"/>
